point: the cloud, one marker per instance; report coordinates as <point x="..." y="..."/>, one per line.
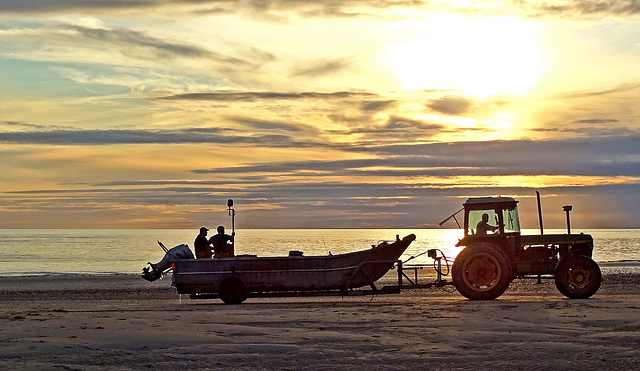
<point x="374" y="9"/>
<point x="90" y="6"/>
<point x="293" y="166"/>
<point x="582" y="7"/>
<point x="587" y="157"/>
<point x="22" y="126"/>
<point x="139" y="43"/>
<point x="78" y="47"/>
<point x="252" y="96"/>
<point x="607" y="156"/>
<point x="321" y="68"/>
<point x="396" y="122"/>
<point x="398" y="128"/>
<point x="371" y="130"/>
<point x="305" y="204"/>
<point x="185" y="136"/>
<point x="597" y="127"/>
<point x="410" y="185"/>
<point x="375" y="106"/>
<point x="272" y="125"/>
<point x="133" y="39"/>
<point x="522" y="8"/>
<point x="596" y="121"/>
<point x="590" y="131"/>
<point x="451" y="105"/>
<point x="623" y="88"/>
<point x="277" y="10"/>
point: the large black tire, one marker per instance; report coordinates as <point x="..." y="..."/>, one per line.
<point x="233" y="290"/>
<point x="481" y="272"/>
<point x="578" y="277"/>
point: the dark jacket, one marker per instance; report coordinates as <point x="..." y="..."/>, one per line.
<point x="220" y="243"/>
<point x="203" y="250"/>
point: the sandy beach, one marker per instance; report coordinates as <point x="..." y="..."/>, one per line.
<point x="123" y="322"/>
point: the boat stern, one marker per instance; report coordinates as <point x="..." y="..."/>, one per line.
<point x="155" y="271"/>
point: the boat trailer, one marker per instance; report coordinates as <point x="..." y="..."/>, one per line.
<point x="408" y="278"/>
<point x="404" y="271"/>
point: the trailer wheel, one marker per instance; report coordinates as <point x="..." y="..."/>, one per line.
<point x="232" y="290"/>
<point x="578" y="277"/>
<point x="481" y="272"/>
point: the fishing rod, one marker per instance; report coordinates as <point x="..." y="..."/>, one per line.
<point x="325" y="244"/>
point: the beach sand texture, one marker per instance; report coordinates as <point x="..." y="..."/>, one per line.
<point x="121" y="322"/>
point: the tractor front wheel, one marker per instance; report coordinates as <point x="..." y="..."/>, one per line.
<point x="481" y="272"/>
<point x="578" y="277"/>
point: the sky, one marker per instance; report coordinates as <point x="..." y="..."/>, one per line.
<point x="317" y="114"/>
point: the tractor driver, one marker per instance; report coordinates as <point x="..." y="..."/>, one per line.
<point x="483" y="226"/>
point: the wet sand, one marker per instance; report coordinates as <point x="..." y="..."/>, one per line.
<point x="123" y="322"/>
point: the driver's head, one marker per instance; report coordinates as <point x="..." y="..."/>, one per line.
<point x="485" y="217"/>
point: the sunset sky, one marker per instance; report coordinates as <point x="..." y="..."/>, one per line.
<point x="316" y="114"/>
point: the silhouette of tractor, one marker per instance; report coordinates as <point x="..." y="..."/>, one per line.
<point x="495" y="253"/>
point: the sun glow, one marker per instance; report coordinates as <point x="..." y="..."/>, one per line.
<point x="481" y="56"/>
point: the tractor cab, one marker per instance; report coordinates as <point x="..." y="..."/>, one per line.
<point x="491" y="215"/>
<point x="492" y="219"/>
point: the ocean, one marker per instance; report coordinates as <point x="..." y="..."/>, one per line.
<point x="83" y="251"/>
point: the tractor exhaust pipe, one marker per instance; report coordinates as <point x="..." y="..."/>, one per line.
<point x="540" y="213"/>
<point x="567" y="209"/>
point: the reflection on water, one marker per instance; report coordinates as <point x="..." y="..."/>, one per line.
<point x="127" y="251"/>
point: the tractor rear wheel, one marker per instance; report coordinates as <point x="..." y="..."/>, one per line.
<point x="233" y="290"/>
<point x="481" y="272"/>
<point x="578" y="277"/>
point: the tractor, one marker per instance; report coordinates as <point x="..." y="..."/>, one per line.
<point x="495" y="253"/>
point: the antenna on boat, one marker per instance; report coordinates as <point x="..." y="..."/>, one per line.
<point x="232" y="214"/>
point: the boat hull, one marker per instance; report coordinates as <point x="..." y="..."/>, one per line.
<point x="290" y="274"/>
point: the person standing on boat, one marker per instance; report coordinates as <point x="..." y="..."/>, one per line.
<point x="202" y="245"/>
<point x="222" y="244"/>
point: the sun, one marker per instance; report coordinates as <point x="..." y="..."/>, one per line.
<point x="481" y="56"/>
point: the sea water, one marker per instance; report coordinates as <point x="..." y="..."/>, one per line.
<point x="73" y="251"/>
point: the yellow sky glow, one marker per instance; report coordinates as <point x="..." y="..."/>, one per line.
<point x="152" y="111"/>
<point x="481" y="56"/>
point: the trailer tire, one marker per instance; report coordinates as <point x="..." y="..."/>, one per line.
<point x="481" y="272"/>
<point x="578" y="277"/>
<point x="233" y="290"/>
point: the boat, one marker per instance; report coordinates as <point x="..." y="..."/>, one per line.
<point x="235" y="279"/>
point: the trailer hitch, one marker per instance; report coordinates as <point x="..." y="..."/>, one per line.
<point x="437" y="266"/>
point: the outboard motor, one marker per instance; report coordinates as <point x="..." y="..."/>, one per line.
<point x="156" y="271"/>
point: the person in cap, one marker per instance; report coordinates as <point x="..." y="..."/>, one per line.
<point x="222" y="244"/>
<point x="201" y="244"/>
